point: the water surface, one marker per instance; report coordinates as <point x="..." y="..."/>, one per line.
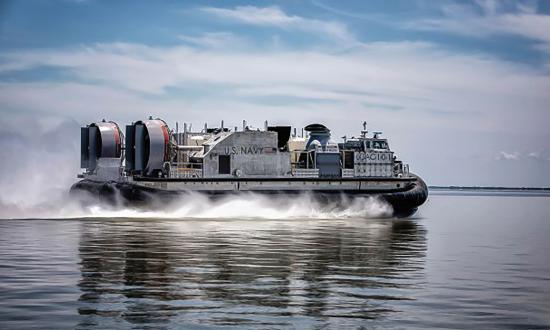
<point x="461" y="262"/>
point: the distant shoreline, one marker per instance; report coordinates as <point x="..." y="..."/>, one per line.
<point x="490" y="188"/>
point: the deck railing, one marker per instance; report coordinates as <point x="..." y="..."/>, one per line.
<point x="185" y="170"/>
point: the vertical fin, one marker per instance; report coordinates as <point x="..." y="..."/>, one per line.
<point x="130" y="148"/>
<point x="84" y="145"/>
<point x="139" y="164"/>
<point x="92" y="150"/>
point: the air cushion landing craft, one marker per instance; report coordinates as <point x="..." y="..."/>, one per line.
<point x="151" y="162"/>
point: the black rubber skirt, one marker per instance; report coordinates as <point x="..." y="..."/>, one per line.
<point x="404" y="202"/>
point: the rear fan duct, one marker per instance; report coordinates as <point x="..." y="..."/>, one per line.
<point x="97" y="141"/>
<point x="147" y="147"/>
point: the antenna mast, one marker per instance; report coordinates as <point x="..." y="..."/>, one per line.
<point x="364" y="131"/>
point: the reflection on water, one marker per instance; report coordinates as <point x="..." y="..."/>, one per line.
<point x="247" y="273"/>
<point x="466" y="262"/>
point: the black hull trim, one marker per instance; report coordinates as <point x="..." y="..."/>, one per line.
<point x="405" y="201"/>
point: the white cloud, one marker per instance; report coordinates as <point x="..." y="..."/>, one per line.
<point x="422" y="79"/>
<point x="543" y="155"/>
<point x="516" y="155"/>
<point x="274" y="16"/>
<point x="491" y="18"/>
<point x="218" y="40"/>
<point x="255" y="15"/>
<point x="503" y="155"/>
<point x="534" y="155"/>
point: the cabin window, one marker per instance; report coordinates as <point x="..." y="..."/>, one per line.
<point x="379" y="145"/>
<point x="224" y="164"/>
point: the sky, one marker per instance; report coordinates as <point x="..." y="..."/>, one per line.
<point x="460" y="88"/>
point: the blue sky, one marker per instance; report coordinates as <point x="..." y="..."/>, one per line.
<point x="461" y="89"/>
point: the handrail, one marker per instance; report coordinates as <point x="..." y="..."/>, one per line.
<point x="186" y="165"/>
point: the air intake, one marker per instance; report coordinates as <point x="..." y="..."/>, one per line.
<point x="317" y="132"/>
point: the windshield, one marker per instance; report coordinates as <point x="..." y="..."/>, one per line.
<point x="379" y="145"/>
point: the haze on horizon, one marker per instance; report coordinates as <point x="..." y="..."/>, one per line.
<point x="460" y="88"/>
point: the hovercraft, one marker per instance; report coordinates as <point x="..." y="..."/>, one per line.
<point x="151" y="164"/>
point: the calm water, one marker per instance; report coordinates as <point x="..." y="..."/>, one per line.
<point x="464" y="262"/>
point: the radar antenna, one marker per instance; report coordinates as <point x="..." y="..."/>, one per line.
<point x="376" y="134"/>
<point x="364" y="131"/>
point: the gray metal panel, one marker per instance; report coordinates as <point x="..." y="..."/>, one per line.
<point x="92" y="150"/>
<point x="140" y="148"/>
<point x="253" y="153"/>
<point x="328" y="164"/>
<point x="130" y="145"/>
<point x="84" y="145"/>
<point x="108" y="168"/>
